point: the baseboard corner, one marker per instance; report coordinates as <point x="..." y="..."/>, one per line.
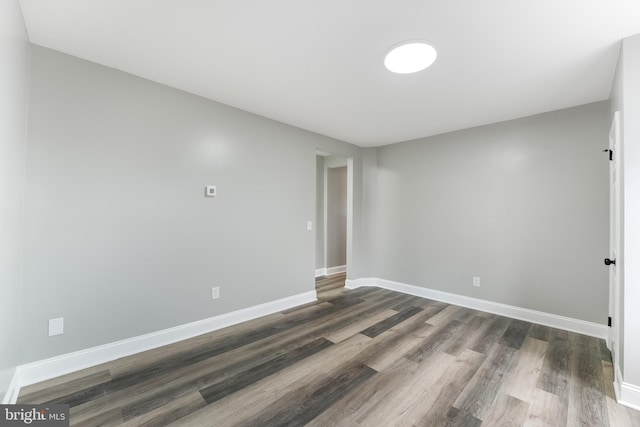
<point x="11" y="396"/>
<point x="357" y="283"/>
<point x="629" y="395"/>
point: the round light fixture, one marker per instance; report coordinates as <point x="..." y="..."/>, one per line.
<point x="410" y="57"/>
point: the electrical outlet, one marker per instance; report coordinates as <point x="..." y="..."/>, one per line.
<point x="56" y="326"/>
<point x="476" y="281"/>
<point x="215" y="292"/>
<point x="210" y="191"/>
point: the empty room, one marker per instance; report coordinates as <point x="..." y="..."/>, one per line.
<point x="286" y="213"/>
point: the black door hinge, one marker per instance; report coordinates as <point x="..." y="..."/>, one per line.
<point x="610" y="154"/>
<point x="609" y="321"/>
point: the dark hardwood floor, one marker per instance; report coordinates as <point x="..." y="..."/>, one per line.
<point x="364" y="357"/>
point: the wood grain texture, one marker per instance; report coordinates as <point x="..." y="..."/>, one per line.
<point x="363" y="357"/>
<point x="357" y="326"/>
<point x="458" y="418"/>
<point x="393" y="344"/>
<point x="302" y="405"/>
<point x="375" y="330"/>
<point x="172" y="411"/>
<point x="524" y="375"/>
<point x="587" y="398"/>
<point x="368" y="396"/>
<point x="108" y="418"/>
<point x="434" y="342"/>
<point x="507" y="411"/>
<point x="515" y="334"/>
<point x="410" y="400"/>
<point x="30" y="394"/>
<point x="491" y="333"/>
<point x="478" y="396"/>
<point x="453" y="381"/>
<point x="256" y="373"/>
<point x="546" y="410"/>
<point x="257" y="397"/>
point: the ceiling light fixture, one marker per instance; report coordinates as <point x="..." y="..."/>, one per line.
<point x="410" y="57"/>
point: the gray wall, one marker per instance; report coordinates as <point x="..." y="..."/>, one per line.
<point x="119" y="238"/>
<point x="523" y="204"/>
<point x="319" y="221"/>
<point x="367" y="224"/>
<point x="336" y="217"/>
<point x="14" y="85"/>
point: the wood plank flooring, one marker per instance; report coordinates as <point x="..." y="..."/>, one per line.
<point x="364" y="357"/>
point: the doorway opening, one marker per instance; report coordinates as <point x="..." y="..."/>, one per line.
<point x="333" y="222"/>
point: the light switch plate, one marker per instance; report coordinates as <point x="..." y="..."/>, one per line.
<point x="309" y="225"/>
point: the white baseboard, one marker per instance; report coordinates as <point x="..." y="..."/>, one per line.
<point x="626" y="394"/>
<point x="629" y="396"/>
<point x="42" y="370"/>
<point x="336" y="270"/>
<point x="542" y="318"/>
<point x="330" y="270"/>
<point x="363" y="281"/>
<point x="11" y="396"/>
<point x="617" y="380"/>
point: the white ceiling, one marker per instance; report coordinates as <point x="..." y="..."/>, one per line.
<point x="318" y="64"/>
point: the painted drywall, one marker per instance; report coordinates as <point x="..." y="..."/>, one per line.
<point x="522" y="204"/>
<point x="336" y="216"/>
<point x="319" y="221"/>
<point x="119" y="238"/>
<point x="631" y="189"/>
<point x="369" y="199"/>
<point x="14" y="89"/>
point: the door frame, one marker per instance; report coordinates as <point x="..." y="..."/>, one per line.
<point x="347" y="162"/>
<point x="615" y="237"/>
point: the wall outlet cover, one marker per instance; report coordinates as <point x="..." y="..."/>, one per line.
<point x="215" y="292"/>
<point x="56" y="326"/>
<point x="210" y="191"/>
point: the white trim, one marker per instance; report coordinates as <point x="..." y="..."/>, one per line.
<point x="629" y="396"/>
<point x="542" y="318"/>
<point x="331" y="270"/>
<point x="626" y="394"/>
<point x="617" y="380"/>
<point x="336" y="270"/>
<point x="11" y="396"/>
<point x="356" y="283"/>
<point x="32" y="373"/>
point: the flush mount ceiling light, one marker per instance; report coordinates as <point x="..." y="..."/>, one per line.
<point x="410" y="57"/>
